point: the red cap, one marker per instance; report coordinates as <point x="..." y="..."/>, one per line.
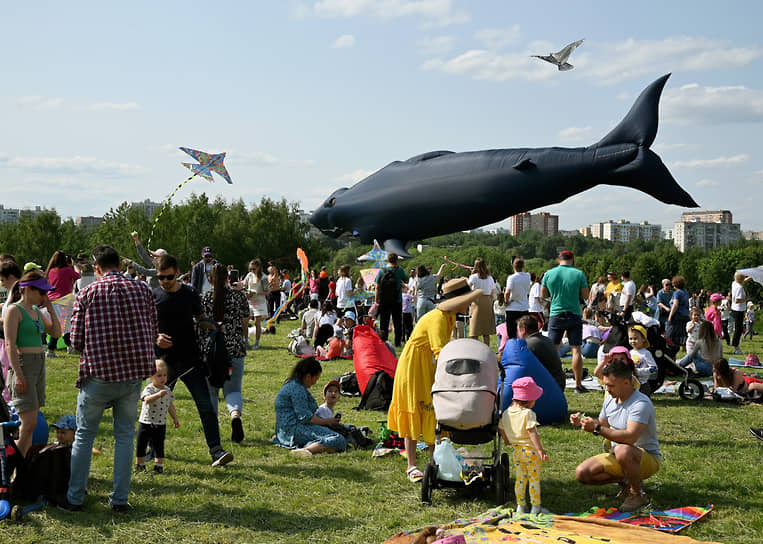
<point x="566" y="255"/>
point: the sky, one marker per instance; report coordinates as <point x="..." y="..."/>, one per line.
<point x="309" y="96"/>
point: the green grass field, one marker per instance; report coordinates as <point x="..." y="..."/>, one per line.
<point x="266" y="495"/>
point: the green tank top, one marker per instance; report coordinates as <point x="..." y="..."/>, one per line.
<point x="30" y="331"/>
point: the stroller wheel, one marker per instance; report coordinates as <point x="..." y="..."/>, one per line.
<point x="691" y="389"/>
<point x="428" y="482"/>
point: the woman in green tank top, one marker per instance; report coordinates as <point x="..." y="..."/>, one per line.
<point x="24" y="325"/>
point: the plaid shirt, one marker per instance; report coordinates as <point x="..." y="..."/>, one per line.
<point x="114" y="328"/>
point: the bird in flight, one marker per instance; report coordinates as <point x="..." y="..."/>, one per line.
<point x="560" y="58"/>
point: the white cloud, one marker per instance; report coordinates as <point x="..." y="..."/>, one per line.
<point x="72" y="165"/>
<point x="575" y="134"/>
<point x="486" y="65"/>
<point x="498" y="38"/>
<point x="263" y="159"/>
<point x="126" y="106"/>
<point x="708" y="183"/>
<point x="631" y="58"/>
<point x="436" y="12"/>
<point x="435" y="46"/>
<point x="40" y="102"/>
<point x="344" y="41"/>
<point x="670" y="148"/>
<point x="712" y="105"/>
<point x="718" y="162"/>
<point x="355" y="176"/>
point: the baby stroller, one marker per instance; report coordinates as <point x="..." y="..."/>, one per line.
<point x="662" y="349"/>
<point x="467" y="406"/>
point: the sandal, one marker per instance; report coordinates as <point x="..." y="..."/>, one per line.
<point x="414" y="474"/>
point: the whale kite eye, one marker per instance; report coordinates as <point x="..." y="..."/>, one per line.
<point x="330" y="203"/>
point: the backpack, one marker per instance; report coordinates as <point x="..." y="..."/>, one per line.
<point x="216" y="358"/>
<point x="300" y="346"/>
<point x="388" y="288"/>
<point x="46" y="473"/>
<point x="378" y="393"/>
<point x="348" y="385"/>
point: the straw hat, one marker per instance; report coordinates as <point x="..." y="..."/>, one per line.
<point x="456" y="293"/>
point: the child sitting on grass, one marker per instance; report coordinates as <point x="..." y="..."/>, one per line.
<point x="156" y="401"/>
<point x="356" y="437"/>
<point x="518" y="428"/>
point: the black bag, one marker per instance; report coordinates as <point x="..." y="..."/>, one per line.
<point x="216" y="358"/>
<point x="348" y="385"/>
<point x="378" y="393"/>
<point x="45" y="474"/>
<point x="388" y="288"/>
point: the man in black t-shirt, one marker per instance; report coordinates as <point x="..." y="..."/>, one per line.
<point x="176" y="306"/>
<point x="543" y="348"/>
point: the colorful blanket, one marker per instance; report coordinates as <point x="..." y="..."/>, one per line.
<point x="670" y="521"/>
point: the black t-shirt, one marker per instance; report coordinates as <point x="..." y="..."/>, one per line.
<point x="546" y="352"/>
<point x="175" y="313"/>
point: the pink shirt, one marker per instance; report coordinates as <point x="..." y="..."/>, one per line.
<point x="63" y="280"/>
<point x="713" y="315"/>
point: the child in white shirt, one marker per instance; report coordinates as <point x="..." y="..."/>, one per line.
<point x="646" y="367"/>
<point x="156" y="401"/>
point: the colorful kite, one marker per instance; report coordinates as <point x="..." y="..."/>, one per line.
<point x="377" y="255"/>
<point x="208" y="163"/>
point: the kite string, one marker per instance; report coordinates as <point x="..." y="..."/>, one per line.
<point x="457" y="264"/>
<point x="166" y="205"/>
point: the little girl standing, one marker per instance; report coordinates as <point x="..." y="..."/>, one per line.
<point x="156" y="401"/>
<point x="517" y="427"/>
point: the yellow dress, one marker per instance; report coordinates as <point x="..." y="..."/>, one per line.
<point x="411" y="413"/>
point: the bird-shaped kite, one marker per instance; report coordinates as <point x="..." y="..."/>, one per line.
<point x="560" y="58"/>
<point x="208" y="163"/>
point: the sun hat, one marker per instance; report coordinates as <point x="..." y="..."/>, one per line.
<point x="31" y="266"/>
<point x="716" y="297"/>
<point x="349" y="315"/>
<point x="566" y="255"/>
<point x="40" y="283"/>
<point x="456" y="293"/>
<point x="66" y="421"/>
<point x="206" y="250"/>
<point x="332" y="383"/>
<point x="750" y="304"/>
<point x="642" y="330"/>
<point x="526" y="389"/>
<point x="620" y="349"/>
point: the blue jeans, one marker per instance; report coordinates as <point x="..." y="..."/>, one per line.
<point x="198" y="387"/>
<point x="590" y="350"/>
<point x="94" y="397"/>
<point x="704" y="368"/>
<point x="423" y="305"/>
<point x="231" y="388"/>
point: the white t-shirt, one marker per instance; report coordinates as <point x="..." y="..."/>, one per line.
<point x="646" y="367"/>
<point x="737" y="291"/>
<point x="487" y="285"/>
<point x="343" y="292"/>
<point x="205" y="285"/>
<point x="519" y="284"/>
<point x="535" y="294"/>
<point x="324" y="411"/>
<point x="155" y="413"/>
<point x="629" y="288"/>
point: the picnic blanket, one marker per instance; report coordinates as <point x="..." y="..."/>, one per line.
<point x="670" y="521"/>
<point x="500" y="525"/>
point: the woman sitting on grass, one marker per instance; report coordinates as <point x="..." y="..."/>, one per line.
<point x="297" y="426"/>
<point x="707" y="349"/>
<point x="725" y="376"/>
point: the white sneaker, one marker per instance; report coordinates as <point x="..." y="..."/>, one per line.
<point x="522" y="509"/>
<point x="539" y="510"/>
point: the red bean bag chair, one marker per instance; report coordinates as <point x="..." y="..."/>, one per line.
<point x="370" y="355"/>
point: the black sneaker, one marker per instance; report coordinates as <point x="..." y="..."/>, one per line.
<point x="237" y="430"/>
<point x="159" y="469"/>
<point x="757" y="433"/>
<point x="581" y="389"/>
<point x="221" y="458"/>
<point x="65" y="505"/>
<point x="140" y="468"/>
<point x="120" y="508"/>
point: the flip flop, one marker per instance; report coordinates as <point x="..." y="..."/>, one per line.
<point x="414" y="474"/>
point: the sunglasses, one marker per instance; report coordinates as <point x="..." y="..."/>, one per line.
<point x="162" y="277"/>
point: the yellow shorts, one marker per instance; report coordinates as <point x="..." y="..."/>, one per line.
<point x="649" y="464"/>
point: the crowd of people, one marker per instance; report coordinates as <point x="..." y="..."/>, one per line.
<point x="131" y="322"/>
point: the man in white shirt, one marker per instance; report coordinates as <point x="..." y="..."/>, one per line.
<point x="628" y="293"/>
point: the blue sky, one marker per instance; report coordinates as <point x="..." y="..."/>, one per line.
<point x="309" y="96"/>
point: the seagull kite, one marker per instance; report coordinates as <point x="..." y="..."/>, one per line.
<point x="208" y="163"/>
<point x="560" y="58"/>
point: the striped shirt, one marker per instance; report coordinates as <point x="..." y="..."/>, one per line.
<point x="114" y="328"/>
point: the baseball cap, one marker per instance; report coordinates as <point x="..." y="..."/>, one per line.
<point x="66" y="421"/>
<point x="332" y="383"/>
<point x="566" y="255"/>
<point x="349" y="315"/>
<point x="206" y="251"/>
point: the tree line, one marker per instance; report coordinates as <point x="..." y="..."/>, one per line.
<point x="273" y="230"/>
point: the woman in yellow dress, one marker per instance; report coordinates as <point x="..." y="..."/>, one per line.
<point x="411" y="413"/>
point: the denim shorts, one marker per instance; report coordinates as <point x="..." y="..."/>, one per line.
<point x="567" y="322"/>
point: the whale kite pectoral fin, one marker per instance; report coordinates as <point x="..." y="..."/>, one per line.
<point x="525" y="164"/>
<point x="392" y="245"/>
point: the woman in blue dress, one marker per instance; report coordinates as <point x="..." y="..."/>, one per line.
<point x="297" y="426"/>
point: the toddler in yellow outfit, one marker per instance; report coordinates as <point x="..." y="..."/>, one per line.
<point x="517" y="427"/>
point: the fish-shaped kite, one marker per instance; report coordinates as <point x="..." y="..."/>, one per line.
<point x="208" y="163"/>
<point x="560" y="58"/>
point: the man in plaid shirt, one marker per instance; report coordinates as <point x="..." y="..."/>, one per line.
<point x="114" y="327"/>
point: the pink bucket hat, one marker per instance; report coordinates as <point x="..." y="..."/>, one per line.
<point x="716" y="297"/>
<point x="526" y="389"/>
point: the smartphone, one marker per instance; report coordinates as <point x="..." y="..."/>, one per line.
<point x="233" y="275"/>
<point x="338" y="415"/>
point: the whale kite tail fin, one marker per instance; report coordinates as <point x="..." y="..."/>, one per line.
<point x="639" y="126"/>
<point x="646" y="172"/>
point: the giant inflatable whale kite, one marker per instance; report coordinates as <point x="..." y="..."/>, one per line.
<point x="442" y="192"/>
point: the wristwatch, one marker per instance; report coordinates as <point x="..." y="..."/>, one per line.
<point x="596" y="430"/>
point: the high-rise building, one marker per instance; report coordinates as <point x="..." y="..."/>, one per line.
<point x="11" y="215"/>
<point x="707" y="216"/>
<point x="543" y="222"/>
<point x="704" y="235"/>
<point x="88" y="221"/>
<point x="624" y="231"/>
<point x="150" y="208"/>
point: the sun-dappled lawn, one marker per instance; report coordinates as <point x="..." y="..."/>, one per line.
<point x="266" y="495"/>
